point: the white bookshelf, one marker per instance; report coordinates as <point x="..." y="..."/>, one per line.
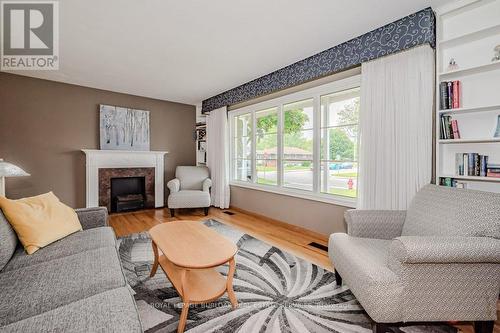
<point x="200" y="123"/>
<point x="467" y="31"/>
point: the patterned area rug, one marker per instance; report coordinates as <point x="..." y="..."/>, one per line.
<point x="276" y="291"/>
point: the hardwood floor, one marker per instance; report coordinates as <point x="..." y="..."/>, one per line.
<point x="289" y="238"/>
<point x="284" y="236"/>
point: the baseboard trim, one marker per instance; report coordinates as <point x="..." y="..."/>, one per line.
<point x="282" y="224"/>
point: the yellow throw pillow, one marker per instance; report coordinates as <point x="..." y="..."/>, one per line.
<point x="40" y="220"/>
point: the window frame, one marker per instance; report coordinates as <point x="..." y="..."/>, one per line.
<point x="314" y="93"/>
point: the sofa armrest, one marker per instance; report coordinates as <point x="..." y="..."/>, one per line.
<point x="207" y="184"/>
<point x="381" y="224"/>
<point x="174" y="185"/>
<point x="92" y="217"/>
<point x="444" y="250"/>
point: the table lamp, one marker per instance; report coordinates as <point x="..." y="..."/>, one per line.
<point x="9" y="170"/>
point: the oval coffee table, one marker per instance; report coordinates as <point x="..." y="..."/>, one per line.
<point x="191" y="251"/>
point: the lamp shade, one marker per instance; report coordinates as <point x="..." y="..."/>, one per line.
<point x="10" y="170"/>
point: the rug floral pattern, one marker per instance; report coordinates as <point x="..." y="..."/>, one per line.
<point x="276" y="291"/>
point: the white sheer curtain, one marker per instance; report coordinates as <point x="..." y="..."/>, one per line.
<point x="395" y="150"/>
<point x="218" y="156"/>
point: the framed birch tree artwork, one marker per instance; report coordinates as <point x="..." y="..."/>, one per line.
<point x="123" y="128"/>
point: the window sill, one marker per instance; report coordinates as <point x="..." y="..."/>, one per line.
<point x="326" y="198"/>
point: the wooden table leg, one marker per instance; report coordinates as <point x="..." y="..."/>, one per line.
<point x="185" y="305"/>
<point x="230" y="291"/>
<point x="155" y="265"/>
<point x="183" y="318"/>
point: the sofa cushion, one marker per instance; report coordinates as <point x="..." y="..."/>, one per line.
<point x="8" y="241"/>
<point x="191" y="177"/>
<point x="444" y="211"/>
<point x="364" y="263"/>
<point x="110" y="311"/>
<point x="75" y="243"/>
<point x="29" y="291"/>
<point x="189" y="199"/>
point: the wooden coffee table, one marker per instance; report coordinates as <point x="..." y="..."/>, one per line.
<point x="191" y="251"/>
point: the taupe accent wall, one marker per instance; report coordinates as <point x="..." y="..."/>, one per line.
<point x="313" y="215"/>
<point x="44" y="124"/>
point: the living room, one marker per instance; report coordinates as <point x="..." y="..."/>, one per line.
<point x="250" y="167"/>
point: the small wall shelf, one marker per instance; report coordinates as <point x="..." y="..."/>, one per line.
<point x="471" y="70"/>
<point x="473" y="178"/>
<point x="470" y="37"/>
<point x="483" y="140"/>
<point x="470" y="109"/>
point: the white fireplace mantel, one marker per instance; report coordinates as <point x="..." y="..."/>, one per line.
<point x="96" y="159"/>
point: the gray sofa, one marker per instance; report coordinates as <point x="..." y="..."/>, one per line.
<point x="437" y="261"/>
<point x="75" y="284"/>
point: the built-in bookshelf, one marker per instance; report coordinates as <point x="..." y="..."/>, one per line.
<point x="200" y="138"/>
<point x="468" y="109"/>
<point x="201" y="144"/>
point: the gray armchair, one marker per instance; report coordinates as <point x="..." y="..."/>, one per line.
<point x="437" y="261"/>
<point x="189" y="189"/>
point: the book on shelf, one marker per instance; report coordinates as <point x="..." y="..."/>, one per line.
<point x="493" y="170"/>
<point x="471" y="164"/>
<point x="456" y="94"/>
<point x="493" y="174"/>
<point x="454" y="126"/>
<point x="449" y="128"/>
<point x="449" y="95"/>
<point x="483" y="165"/>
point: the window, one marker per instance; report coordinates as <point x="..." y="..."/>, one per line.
<point x="242" y="163"/>
<point x="339" y="142"/>
<point x="298" y="139"/>
<point x="266" y="154"/>
<point x="303" y="144"/>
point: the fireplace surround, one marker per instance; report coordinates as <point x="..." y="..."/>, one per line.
<point x="120" y="159"/>
<point x="124" y="181"/>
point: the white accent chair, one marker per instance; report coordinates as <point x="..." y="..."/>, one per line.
<point x="190" y="188"/>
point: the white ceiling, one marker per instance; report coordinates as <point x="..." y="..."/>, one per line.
<point x="189" y="50"/>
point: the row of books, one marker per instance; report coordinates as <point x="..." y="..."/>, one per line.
<point x="449" y="128"/>
<point x="449" y="94"/>
<point x="471" y="164"/>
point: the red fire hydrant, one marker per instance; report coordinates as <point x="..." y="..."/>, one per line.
<point x="350" y="183"/>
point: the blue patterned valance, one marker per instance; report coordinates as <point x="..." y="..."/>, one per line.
<point x="408" y="32"/>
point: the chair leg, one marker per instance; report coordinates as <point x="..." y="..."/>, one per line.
<point x="205" y="209"/>
<point x="484" y="326"/>
<point x="172" y="212"/>
<point x="338" y="278"/>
